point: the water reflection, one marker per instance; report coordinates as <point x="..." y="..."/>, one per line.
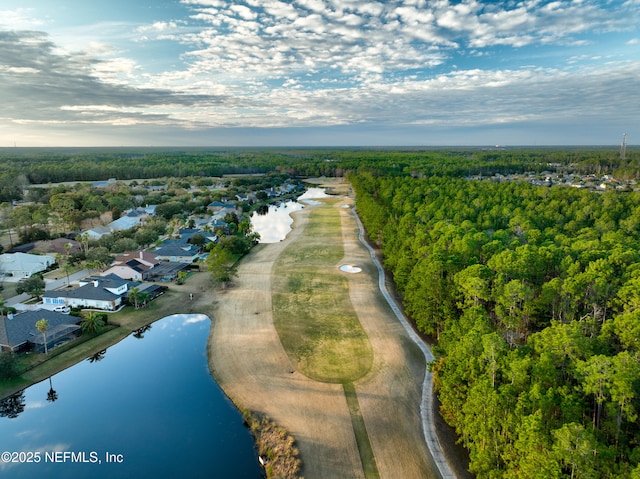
<point x="262" y="210"/>
<point x="99" y="356"/>
<point x="52" y="395"/>
<point x="152" y="401"/>
<point x="273" y="222"/>
<point x="139" y="333"/>
<point x="12" y="406"/>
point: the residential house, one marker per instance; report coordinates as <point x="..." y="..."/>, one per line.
<point x="62" y="246"/>
<point x="98" y="232"/>
<point x="177" y="251"/>
<point x="18" y="332"/>
<point x="167" y="271"/>
<point x="95" y="292"/>
<point x="210" y="224"/>
<point x="220" y="209"/>
<point x="133" y="265"/>
<point x="131" y="219"/>
<point x="187" y="234"/>
<point x="17" y="266"/>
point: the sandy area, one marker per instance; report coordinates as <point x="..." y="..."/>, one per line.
<point x="252" y="367"/>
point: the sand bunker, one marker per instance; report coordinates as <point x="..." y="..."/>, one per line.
<point x="347" y="268"/>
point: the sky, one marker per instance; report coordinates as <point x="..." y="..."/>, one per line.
<point x="319" y="72"/>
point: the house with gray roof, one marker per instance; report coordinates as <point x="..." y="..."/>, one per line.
<point x="17" y="266"/>
<point x="18" y="332"/>
<point x="95" y="292"/>
<point x="133" y="265"/>
<point x="131" y="219"/>
<point x="177" y="251"/>
<point x="187" y="234"/>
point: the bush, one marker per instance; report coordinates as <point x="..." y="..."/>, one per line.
<point x="8" y="365"/>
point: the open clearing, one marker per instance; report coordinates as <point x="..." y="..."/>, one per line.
<point x="252" y="366"/>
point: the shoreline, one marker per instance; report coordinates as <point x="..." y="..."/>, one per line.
<point x="126" y="322"/>
<point x="296" y="391"/>
<point x="250" y="365"/>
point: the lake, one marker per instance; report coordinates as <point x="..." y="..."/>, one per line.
<point x="147" y="407"/>
<point x="274" y="223"/>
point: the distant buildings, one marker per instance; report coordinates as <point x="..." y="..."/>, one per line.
<point x="131" y="219"/>
<point x="572" y="180"/>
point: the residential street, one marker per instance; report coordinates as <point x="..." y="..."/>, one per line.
<point x="50" y="284"/>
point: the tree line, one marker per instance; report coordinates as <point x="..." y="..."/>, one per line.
<point x="22" y="167"/>
<point x="533" y="296"/>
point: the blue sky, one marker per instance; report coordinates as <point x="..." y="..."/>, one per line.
<point x="319" y="72"/>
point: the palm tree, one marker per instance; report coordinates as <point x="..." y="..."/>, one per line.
<point x="134" y="294"/>
<point x="144" y="298"/>
<point x="92" y="323"/>
<point x="42" y="326"/>
<point x="67" y="268"/>
<point x="84" y="240"/>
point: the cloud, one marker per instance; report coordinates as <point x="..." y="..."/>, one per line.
<point x="45" y="84"/>
<point x="19" y="19"/>
<point x="322" y="63"/>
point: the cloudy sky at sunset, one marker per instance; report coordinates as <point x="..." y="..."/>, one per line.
<point x="319" y="72"/>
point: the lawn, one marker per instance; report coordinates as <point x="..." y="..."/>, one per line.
<point x="311" y="307"/>
<point x="38" y="367"/>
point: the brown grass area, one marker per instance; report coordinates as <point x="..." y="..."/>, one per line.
<point x="252" y="367"/>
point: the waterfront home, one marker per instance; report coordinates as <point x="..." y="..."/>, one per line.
<point x="95" y="292"/>
<point x="18" y="332"/>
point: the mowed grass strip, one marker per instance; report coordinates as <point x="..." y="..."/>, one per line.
<point x="367" y="457"/>
<point x="311" y="307"/>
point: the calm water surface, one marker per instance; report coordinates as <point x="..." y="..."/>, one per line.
<point x="150" y="403"/>
<point x="274" y="225"/>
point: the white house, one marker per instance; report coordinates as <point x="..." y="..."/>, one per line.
<point x="133" y="218"/>
<point x="177" y="251"/>
<point x="133" y="265"/>
<point x="98" y="292"/>
<point x="17" y="266"/>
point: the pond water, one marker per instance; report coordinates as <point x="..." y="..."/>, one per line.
<point x="149" y="405"/>
<point x="274" y="223"/>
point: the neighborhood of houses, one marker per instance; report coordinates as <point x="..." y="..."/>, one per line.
<point x="145" y="272"/>
<point x="573" y="180"/>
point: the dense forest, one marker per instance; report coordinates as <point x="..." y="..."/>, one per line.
<point x="530" y="293"/>
<point x="21" y="167"/>
<point x="533" y="296"/>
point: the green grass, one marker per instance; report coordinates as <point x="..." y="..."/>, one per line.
<point x="312" y="310"/>
<point x="37" y="367"/>
<point x="362" y="438"/>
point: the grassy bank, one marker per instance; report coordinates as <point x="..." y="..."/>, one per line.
<point x="311" y="306"/>
<point x="38" y="367"/>
<point x="276" y="448"/>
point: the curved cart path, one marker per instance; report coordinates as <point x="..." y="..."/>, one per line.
<point x="426" y="404"/>
<point x="252" y="367"/>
